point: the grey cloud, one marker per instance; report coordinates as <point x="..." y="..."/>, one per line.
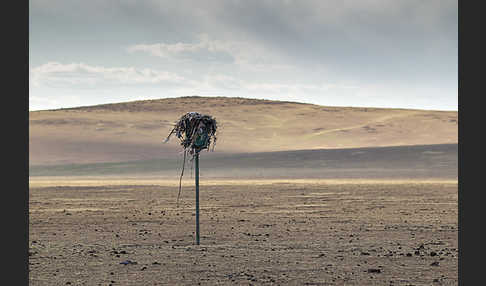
<point x="396" y="43"/>
<point x="337" y="33"/>
<point x="384" y="38"/>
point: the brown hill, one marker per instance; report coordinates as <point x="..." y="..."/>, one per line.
<point x="135" y="130"/>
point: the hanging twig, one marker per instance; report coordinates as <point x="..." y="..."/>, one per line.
<point x="180" y="179"/>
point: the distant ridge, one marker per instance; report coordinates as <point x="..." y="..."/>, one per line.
<point x="152" y="104"/>
<point x="134" y="130"/>
<point x="229" y="100"/>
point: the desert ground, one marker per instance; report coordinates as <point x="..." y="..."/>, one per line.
<point x="260" y="232"/>
<point x="294" y="194"/>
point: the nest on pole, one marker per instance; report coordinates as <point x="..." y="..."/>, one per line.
<point x="196" y="132"/>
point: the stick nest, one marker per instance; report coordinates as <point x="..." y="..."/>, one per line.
<point x="195" y="131"/>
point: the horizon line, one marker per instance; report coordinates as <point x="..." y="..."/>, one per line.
<point x="239" y="97"/>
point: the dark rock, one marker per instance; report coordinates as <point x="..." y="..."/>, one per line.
<point x="127" y="262"/>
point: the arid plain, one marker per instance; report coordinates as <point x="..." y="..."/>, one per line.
<point x="294" y="194"/>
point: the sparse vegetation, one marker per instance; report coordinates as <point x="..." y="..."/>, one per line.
<point x="133" y="130"/>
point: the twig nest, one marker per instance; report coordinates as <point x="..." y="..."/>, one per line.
<point x="196" y="132"/>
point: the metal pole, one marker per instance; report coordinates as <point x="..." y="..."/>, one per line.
<point x="197" y="197"/>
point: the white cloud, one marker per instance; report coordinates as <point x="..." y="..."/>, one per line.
<point x="243" y="53"/>
<point x="82" y="75"/>
<point x="39" y="103"/>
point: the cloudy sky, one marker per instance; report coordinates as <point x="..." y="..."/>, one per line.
<point x="388" y="53"/>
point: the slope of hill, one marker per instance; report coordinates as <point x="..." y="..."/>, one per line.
<point x="135" y="130"/>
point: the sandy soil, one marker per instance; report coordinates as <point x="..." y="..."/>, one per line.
<point x="135" y="130"/>
<point x="258" y="232"/>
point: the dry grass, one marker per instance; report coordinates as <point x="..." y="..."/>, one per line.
<point x="134" y="131"/>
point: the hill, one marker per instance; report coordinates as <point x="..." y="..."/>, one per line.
<point x="131" y="131"/>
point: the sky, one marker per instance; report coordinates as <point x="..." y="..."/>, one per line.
<point x="363" y="53"/>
